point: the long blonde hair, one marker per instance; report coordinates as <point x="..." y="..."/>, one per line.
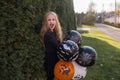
<point x="45" y="27"/>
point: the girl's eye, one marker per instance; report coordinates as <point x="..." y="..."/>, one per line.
<point x="53" y="19"/>
<point x="49" y="19"/>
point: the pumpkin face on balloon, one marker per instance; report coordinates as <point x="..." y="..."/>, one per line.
<point x="64" y="70"/>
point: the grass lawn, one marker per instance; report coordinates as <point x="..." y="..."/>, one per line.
<point x="107" y="66"/>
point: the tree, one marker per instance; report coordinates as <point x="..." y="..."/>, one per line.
<point x="89" y="19"/>
<point x="91" y="8"/>
<point x="90" y="16"/>
<point x="21" y="54"/>
<point x="79" y="18"/>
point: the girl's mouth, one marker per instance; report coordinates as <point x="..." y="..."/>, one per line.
<point x="51" y="25"/>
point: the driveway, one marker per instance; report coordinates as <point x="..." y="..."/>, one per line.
<point x="110" y="30"/>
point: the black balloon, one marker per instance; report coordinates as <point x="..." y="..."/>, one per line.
<point x="87" y="56"/>
<point x="67" y="50"/>
<point x="74" y="36"/>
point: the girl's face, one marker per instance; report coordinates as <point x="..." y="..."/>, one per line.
<point x="51" y="21"/>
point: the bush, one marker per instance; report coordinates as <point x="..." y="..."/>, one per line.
<point x="112" y="24"/>
<point x="20" y="50"/>
<point x="89" y="19"/>
<point x="21" y="54"/>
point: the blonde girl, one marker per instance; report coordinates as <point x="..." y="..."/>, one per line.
<point x="51" y="36"/>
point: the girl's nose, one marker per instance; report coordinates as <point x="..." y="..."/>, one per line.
<point x="51" y="22"/>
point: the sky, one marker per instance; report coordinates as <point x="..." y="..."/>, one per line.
<point x="100" y="5"/>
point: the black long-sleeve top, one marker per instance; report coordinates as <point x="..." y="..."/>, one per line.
<point x="51" y="44"/>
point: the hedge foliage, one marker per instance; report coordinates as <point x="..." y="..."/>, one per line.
<point x="21" y="54"/>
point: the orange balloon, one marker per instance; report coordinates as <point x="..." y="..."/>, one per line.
<point x="63" y="70"/>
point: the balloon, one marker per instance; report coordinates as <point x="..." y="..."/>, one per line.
<point x="79" y="71"/>
<point x="74" y="36"/>
<point x="87" y="56"/>
<point x="67" y="50"/>
<point x="63" y="70"/>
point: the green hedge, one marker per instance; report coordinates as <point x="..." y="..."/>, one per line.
<point x="113" y="24"/>
<point x="21" y="54"/>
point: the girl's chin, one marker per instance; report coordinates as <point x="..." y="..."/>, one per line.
<point x="52" y="27"/>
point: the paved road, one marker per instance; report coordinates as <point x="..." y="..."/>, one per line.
<point x="111" y="31"/>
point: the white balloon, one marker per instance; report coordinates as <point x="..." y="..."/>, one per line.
<point x="79" y="71"/>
